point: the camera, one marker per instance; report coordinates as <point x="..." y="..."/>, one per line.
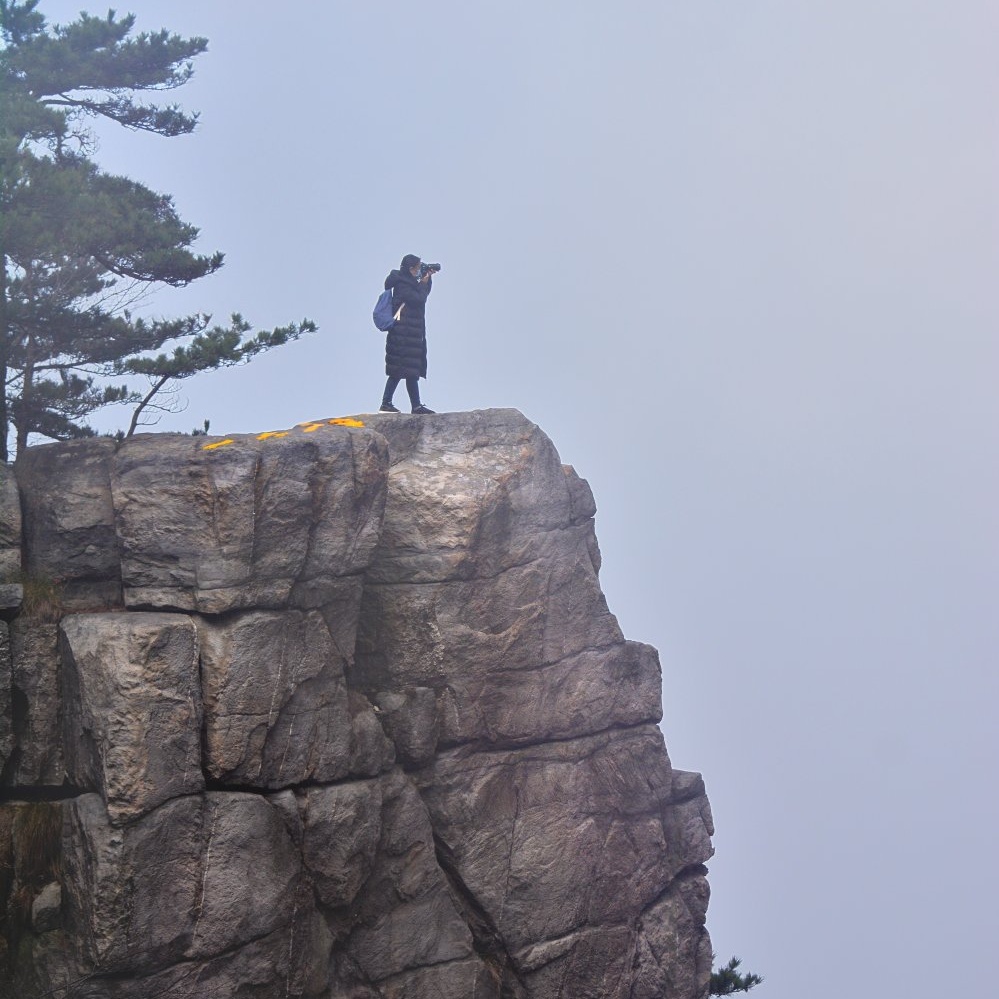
<point x="429" y="269"/>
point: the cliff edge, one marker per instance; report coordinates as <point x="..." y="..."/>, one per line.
<point x="335" y="712"/>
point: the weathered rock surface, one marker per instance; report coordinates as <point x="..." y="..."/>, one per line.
<point x="37" y="760"/>
<point x="562" y="844"/>
<point x="484" y="587"/>
<point x="132" y="708"/>
<point x="270" y="523"/>
<point x="11" y="597"/>
<point x="10" y="527"/>
<point x="201" y="875"/>
<point x="277" y="709"/>
<point x="69" y="523"/>
<point x="159" y="522"/>
<point x="46" y="910"/>
<point x="409" y="717"/>
<point x="7" y="740"/>
<point x="337" y="713"/>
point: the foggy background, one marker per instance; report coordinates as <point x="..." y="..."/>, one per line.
<point x="739" y="259"/>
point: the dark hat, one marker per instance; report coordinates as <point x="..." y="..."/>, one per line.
<point x="410" y="260"/>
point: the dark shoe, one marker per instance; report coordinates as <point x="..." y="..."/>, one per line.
<point x="387" y="407"/>
<point x="422" y="410"/>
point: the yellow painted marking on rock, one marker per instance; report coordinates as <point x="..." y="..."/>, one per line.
<point x="309" y="427"/>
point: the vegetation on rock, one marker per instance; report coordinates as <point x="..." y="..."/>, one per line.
<point x="728" y="980"/>
<point x="80" y="246"/>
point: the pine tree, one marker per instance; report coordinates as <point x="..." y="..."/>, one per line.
<point x="729" y="980"/>
<point x="78" y="245"/>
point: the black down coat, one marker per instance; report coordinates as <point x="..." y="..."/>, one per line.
<point x="406" y="341"/>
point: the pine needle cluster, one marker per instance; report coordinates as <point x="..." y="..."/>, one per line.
<point x="728" y="980"/>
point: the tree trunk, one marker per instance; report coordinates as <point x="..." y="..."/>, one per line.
<point x="4" y="341"/>
<point x="157" y="385"/>
<point x="24" y="420"/>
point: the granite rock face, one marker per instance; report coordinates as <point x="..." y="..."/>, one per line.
<point x="10" y="527"/>
<point x="36" y="678"/>
<point x="277" y="710"/>
<point x="132" y="708"/>
<point x="339" y="712"/>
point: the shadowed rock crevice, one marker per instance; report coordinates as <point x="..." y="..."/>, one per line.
<point x="500" y="745"/>
<point x="46" y="793"/>
<point x="18" y="711"/>
<point x="486" y="937"/>
<point x="358" y="723"/>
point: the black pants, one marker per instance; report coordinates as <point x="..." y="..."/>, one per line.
<point x="412" y="387"/>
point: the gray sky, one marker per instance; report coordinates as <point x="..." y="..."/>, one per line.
<point x="739" y="260"/>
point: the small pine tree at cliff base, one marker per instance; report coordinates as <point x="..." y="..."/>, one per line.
<point x="80" y="246"/>
<point x="728" y="980"/>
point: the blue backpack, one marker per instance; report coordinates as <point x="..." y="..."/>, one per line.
<point x="384" y="315"/>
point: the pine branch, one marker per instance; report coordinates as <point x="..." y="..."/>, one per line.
<point x="728" y="980"/>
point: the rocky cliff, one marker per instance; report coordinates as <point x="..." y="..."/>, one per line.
<point x="337" y="712"/>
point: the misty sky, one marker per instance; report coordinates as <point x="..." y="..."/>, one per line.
<point x="739" y="259"/>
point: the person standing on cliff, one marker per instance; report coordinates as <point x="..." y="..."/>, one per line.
<point x="406" y="340"/>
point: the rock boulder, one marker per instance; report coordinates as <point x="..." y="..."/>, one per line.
<point x="337" y="712"/>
